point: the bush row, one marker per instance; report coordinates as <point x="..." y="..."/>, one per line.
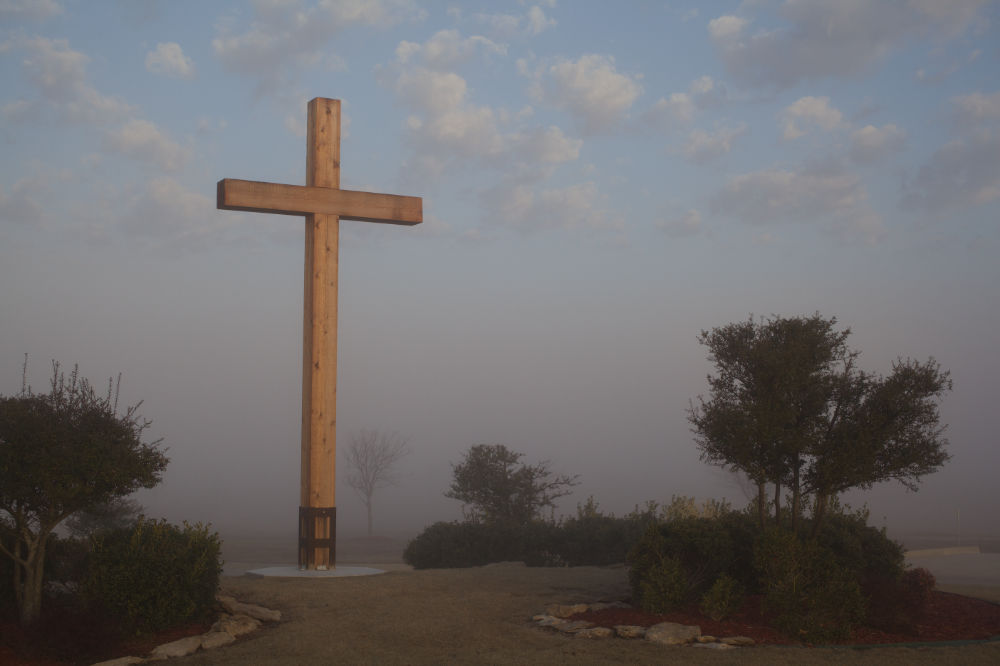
<point x="815" y="589"/>
<point x="594" y="540"/>
<point x="143" y="578"/>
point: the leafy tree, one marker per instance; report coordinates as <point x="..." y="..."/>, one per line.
<point x="371" y="455"/>
<point x="500" y="488"/>
<point x="115" y="514"/>
<point x="790" y="408"/>
<point x="60" y="453"/>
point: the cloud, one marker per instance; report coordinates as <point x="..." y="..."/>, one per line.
<point x="288" y="33"/>
<point x="818" y="193"/>
<point x="21" y="205"/>
<point x="169" y="59"/>
<point x="60" y="75"/>
<point x="810" y="111"/>
<point x="871" y="144"/>
<point x="962" y="173"/>
<point x="703" y="147"/>
<point x="167" y="211"/>
<point x="590" y="89"/>
<point x="547" y="145"/>
<point x="688" y="224"/>
<point x="680" y="107"/>
<point x="36" y="10"/>
<point x="831" y="38"/>
<point x="576" y="207"/>
<point x="537" y="21"/>
<point x="508" y="26"/>
<point x="143" y="141"/>
<point x="727" y="27"/>
<point x="976" y="107"/>
<point x="447" y="49"/>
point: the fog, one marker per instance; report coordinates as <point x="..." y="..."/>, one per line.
<point x="586" y="216"/>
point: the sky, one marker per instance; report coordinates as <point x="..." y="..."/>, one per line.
<point x="601" y="182"/>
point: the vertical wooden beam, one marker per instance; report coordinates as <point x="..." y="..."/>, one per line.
<point x="319" y="355"/>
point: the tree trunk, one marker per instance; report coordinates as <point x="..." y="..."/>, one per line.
<point x="819" y="511"/>
<point x="30" y="583"/>
<point x="368" y="505"/>
<point x="796" y="498"/>
<point x="761" y="504"/>
<point x="777" y="504"/>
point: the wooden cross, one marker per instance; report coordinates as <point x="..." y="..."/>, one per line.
<point x="323" y="203"/>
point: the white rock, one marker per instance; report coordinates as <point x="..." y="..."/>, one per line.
<point x="214" y="639"/>
<point x="671" y="633"/>
<point x="630" y="631"/>
<point x="738" y="640"/>
<point x="179" y="648"/>
<point x="571" y="627"/>
<point x="236" y="625"/>
<point x="239" y="608"/>
<point x="595" y="632"/>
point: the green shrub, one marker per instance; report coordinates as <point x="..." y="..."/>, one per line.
<point x="703" y="548"/>
<point x="154" y="575"/>
<point x="723" y="598"/>
<point x="809" y="594"/>
<point x="663" y="587"/>
<point x="471" y="544"/>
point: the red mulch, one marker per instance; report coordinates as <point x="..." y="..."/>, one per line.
<point x="63" y="637"/>
<point x="948" y="617"/>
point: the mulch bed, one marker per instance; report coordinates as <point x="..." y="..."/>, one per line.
<point x="64" y="637"/>
<point x="948" y="617"/>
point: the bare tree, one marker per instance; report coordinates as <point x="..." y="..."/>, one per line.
<point x="371" y="455"/>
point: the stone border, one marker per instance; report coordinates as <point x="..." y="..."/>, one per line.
<point x="237" y="619"/>
<point x="665" y="633"/>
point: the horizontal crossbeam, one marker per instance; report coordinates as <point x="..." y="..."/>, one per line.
<point x="260" y="197"/>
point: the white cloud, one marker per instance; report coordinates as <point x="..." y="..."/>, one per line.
<point x="143" y="141"/>
<point x="702" y="146"/>
<point x="168" y="211"/>
<point x="576" y="207"/>
<point x="872" y="144"/>
<point x="962" y="173"/>
<point x="37" y="10"/>
<point x="537" y="21"/>
<point x="726" y="27"/>
<point x="60" y="75"/>
<point x="977" y="107"/>
<point x="823" y="193"/>
<point x="678" y="107"/>
<point x="22" y="205"/>
<point x="447" y="49"/>
<point x="810" y="111"/>
<point x="590" y="88"/>
<point x="688" y="224"/>
<point x="283" y="34"/>
<point x="435" y="92"/>
<point x="547" y="145"/>
<point x="508" y="26"/>
<point x="169" y="59"/>
<point x="832" y="38"/>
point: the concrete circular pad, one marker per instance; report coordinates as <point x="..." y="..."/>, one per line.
<point x="295" y="572"/>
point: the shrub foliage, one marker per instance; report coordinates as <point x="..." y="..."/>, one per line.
<point x="154" y="575"/>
